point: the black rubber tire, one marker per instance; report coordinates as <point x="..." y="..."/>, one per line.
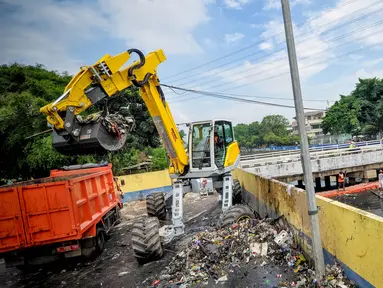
<point x="155" y="205"/>
<point x="237" y="192"/>
<point x="118" y="215"/>
<point x="234" y="214"/>
<point x="146" y="241"/>
<point x="100" y="240"/>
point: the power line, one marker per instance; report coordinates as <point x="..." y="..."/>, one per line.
<point x="217" y="95"/>
<point x="312" y="36"/>
<point x="265" y="39"/>
<point x="284" y="58"/>
<point x="287" y="72"/>
<point x="222" y="82"/>
<point x="310" y="65"/>
<point x="253" y="96"/>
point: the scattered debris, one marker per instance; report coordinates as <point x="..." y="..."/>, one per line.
<point x="115" y="256"/>
<point x="123" y="273"/>
<point x="215" y="253"/>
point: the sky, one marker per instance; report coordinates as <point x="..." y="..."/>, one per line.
<point x="226" y="46"/>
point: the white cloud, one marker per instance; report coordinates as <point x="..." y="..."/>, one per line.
<point x="234" y="37"/>
<point x="355" y="56"/>
<point x="47" y="31"/>
<point x="153" y="24"/>
<point x="268" y="75"/>
<point x="42" y="33"/>
<point x="255" y="26"/>
<point x="266" y="46"/>
<point x="236" y="4"/>
<point x="372" y="63"/>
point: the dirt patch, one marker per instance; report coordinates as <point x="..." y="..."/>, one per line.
<point x="368" y="201"/>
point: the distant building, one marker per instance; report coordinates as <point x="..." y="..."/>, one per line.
<point x="313" y="121"/>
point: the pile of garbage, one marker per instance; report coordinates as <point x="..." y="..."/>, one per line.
<point x="118" y="124"/>
<point x="219" y="252"/>
<point x="115" y="123"/>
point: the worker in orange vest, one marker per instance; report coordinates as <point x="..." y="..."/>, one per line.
<point x="341" y="181"/>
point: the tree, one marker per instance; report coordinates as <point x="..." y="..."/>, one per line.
<point x="273" y="130"/>
<point x="277" y="124"/>
<point x="359" y="112"/>
<point x="24" y="89"/>
<point x="343" y="116"/>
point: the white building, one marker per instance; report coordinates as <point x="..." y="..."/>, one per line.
<point x="313" y="121"/>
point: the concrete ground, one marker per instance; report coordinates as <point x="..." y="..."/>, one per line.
<point x="118" y="258"/>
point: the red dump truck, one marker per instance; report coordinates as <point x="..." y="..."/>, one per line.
<point x="65" y="215"/>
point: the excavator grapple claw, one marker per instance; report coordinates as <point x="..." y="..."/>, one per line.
<point x="107" y="133"/>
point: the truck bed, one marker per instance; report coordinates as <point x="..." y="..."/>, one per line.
<point x="54" y="209"/>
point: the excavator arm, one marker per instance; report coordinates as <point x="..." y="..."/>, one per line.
<point x="73" y="134"/>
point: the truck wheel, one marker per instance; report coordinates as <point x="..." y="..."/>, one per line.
<point x="100" y="240"/>
<point x="155" y="205"/>
<point x="235" y="214"/>
<point x="146" y="241"/>
<point x="118" y="215"/>
<point x="237" y="192"/>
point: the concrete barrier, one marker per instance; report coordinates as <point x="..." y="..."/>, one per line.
<point x="138" y="186"/>
<point x="352" y="236"/>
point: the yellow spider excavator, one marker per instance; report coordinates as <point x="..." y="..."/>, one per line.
<point x="212" y="150"/>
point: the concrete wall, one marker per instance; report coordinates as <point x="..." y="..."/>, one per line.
<point x="351" y="235"/>
<point x="138" y="186"/>
<point x="322" y="166"/>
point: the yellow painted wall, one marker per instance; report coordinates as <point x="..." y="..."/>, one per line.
<point x="353" y="236"/>
<point x="143" y="181"/>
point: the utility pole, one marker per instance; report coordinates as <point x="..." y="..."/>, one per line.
<point x="305" y="153"/>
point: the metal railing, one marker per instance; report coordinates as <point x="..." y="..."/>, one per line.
<point x="315" y="155"/>
<point x="314" y="149"/>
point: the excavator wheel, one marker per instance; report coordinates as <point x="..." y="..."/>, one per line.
<point x="235" y="214"/>
<point x="237" y="192"/>
<point x="146" y="241"/>
<point x="155" y="205"/>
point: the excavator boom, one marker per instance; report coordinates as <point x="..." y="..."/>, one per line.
<point x="103" y="131"/>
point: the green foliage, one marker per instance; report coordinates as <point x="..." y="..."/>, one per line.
<point x="273" y="130"/>
<point x="40" y="157"/>
<point x="160" y="160"/>
<point x="24" y="90"/>
<point x="359" y="112"/>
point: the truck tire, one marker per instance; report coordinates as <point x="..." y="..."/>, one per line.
<point x="146" y="241"/>
<point x="118" y="215"/>
<point x="237" y="192"/>
<point x="155" y="205"/>
<point x="235" y="214"/>
<point x="100" y="240"/>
